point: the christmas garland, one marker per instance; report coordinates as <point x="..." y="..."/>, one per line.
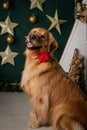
<point x="7" y="86"/>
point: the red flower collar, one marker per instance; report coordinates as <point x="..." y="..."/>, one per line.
<point x="43" y="57"/>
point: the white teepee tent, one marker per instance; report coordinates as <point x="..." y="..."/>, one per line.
<point x="77" y="39"/>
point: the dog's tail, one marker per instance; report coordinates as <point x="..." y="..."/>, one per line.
<point x="62" y="119"/>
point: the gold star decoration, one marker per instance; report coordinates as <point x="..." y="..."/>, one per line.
<point x="8" y="26"/>
<point x="8" y="56"/>
<point x="37" y="4"/>
<point x="55" y="22"/>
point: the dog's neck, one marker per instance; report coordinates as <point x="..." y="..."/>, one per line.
<point x="41" y="57"/>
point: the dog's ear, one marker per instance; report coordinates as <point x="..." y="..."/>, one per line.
<point x="53" y="45"/>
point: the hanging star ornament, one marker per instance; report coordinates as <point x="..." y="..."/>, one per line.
<point x="8" y="26"/>
<point x="55" y="22"/>
<point x="37" y="4"/>
<point x="8" y="56"/>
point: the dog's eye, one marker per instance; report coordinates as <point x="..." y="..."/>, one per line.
<point x="42" y="36"/>
<point x="34" y="31"/>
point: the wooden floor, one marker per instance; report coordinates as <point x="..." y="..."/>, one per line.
<point x="14" y="112"/>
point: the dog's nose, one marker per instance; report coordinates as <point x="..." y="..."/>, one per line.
<point x="32" y="37"/>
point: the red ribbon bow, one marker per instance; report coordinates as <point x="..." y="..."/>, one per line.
<point x="43" y="57"/>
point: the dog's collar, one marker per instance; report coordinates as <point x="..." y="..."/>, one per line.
<point x="43" y="57"/>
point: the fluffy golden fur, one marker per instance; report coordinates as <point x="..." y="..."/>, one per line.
<point x="57" y="100"/>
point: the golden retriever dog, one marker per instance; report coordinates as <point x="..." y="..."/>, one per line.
<point x="57" y="100"/>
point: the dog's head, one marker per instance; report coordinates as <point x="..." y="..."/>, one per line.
<point x="42" y="40"/>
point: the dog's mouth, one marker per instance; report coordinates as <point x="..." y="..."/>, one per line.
<point x="32" y="46"/>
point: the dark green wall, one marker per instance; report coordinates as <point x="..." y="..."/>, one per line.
<point x="20" y="14"/>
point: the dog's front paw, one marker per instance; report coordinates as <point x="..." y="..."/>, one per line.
<point x="33" y="124"/>
<point x="32" y="115"/>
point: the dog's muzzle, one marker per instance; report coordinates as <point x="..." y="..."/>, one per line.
<point x="32" y="38"/>
<point x="31" y="42"/>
